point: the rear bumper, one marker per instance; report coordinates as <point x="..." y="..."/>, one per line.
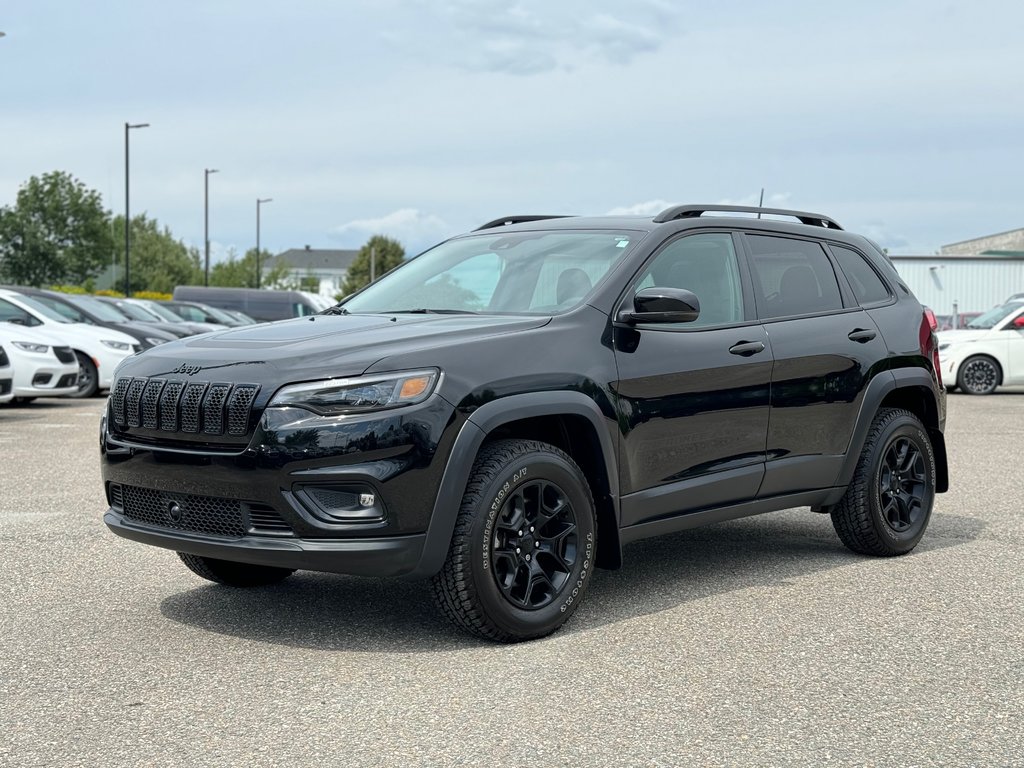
<point x="389" y="556"/>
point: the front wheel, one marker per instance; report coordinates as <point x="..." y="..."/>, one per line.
<point x="979" y="375"/>
<point x="88" y="377"/>
<point x="888" y="503"/>
<point x="234" y="574"/>
<point x="523" y="549"/>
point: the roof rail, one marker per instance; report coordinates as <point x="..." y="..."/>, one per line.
<point x="506" y="220"/>
<point x="695" y="211"/>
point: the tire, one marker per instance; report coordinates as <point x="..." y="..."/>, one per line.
<point x="523" y="549"/>
<point x="979" y="375"/>
<point x="88" y="377"/>
<point x="234" y="574"/>
<point x="887" y="506"/>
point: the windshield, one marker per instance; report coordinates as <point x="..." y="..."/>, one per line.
<point x="136" y="312"/>
<point x="993" y="317"/>
<point x="521" y="272"/>
<point x="42" y="310"/>
<point x="162" y="313"/>
<point x="218" y="314"/>
<point x="104" y="312"/>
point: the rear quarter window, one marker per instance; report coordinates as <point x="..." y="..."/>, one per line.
<point x="867" y="286"/>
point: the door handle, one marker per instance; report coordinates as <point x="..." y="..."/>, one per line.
<point x="747" y="348"/>
<point x="863" y="335"/>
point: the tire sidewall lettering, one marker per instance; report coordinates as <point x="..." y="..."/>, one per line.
<point x="494" y="509"/>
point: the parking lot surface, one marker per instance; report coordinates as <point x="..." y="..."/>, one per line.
<point x="756" y="642"/>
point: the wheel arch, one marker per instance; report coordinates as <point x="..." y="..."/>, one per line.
<point x="912" y="389"/>
<point x="570" y="421"/>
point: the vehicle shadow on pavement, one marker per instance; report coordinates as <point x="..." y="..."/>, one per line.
<point x="341" y="613"/>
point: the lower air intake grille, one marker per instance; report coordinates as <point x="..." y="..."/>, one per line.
<point x="264" y="519"/>
<point x="183" y="511"/>
<point x="5" y="386"/>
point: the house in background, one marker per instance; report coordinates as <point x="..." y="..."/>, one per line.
<point x="316" y="270"/>
<point x="969" y="276"/>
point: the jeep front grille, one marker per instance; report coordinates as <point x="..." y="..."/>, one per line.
<point x="192" y="407"/>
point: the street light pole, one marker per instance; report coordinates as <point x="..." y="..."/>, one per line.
<point x="127" y="215"/>
<point x="206" y="220"/>
<point x="259" y="202"/>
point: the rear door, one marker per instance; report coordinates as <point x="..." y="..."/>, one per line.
<point x="825" y="349"/>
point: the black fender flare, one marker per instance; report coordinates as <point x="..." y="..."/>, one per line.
<point x="877" y="390"/>
<point x="475" y="430"/>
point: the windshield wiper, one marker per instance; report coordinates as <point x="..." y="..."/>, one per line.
<point x="335" y="310"/>
<point x="426" y="311"/>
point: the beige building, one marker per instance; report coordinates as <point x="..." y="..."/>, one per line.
<point x="317" y="270"/>
<point x="1003" y="242"/>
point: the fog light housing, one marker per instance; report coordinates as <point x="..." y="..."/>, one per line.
<point x="349" y="503"/>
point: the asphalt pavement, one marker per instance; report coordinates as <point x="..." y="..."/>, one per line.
<point x="757" y="642"/>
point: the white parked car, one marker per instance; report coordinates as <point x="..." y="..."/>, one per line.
<point x="98" y="350"/>
<point x="987" y="353"/>
<point x="44" y="365"/>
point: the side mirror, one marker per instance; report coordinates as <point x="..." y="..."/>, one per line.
<point x="662" y="305"/>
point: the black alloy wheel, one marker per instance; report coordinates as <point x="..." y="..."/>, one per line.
<point x="978" y="376"/>
<point x="88" y="377"/>
<point x="535" y="543"/>
<point x="902" y="484"/>
<point x="524" y="545"/>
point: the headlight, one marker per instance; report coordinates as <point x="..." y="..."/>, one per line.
<point x="152" y="341"/>
<point x="41" y="349"/>
<point x="118" y="345"/>
<point x="333" y="397"/>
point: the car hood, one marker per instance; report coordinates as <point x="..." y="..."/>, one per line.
<point x="314" y="347"/>
<point x="10" y="332"/>
<point x="960" y="336"/>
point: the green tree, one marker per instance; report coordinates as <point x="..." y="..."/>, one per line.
<point x="57" y="232"/>
<point x="235" y="272"/>
<point x="159" y="262"/>
<point x="387" y="254"/>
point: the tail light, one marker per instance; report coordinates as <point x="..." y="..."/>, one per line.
<point x="928" y="341"/>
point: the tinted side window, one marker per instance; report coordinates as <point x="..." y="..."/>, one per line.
<point x="705" y="264"/>
<point x="792" y="277"/>
<point x="867" y="285"/>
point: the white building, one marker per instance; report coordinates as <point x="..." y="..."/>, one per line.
<point x="972" y="275"/>
<point x="316" y="270"/>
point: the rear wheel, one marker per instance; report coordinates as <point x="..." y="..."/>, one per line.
<point x="88" y="377"/>
<point x="524" y="544"/>
<point x="889" y="501"/>
<point x="234" y="574"/>
<point x="979" y="375"/>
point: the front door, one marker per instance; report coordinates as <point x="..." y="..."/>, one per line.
<point x="693" y="397"/>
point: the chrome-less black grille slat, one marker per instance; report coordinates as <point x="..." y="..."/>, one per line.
<point x="64" y="354"/>
<point x="239" y="405"/>
<point x="131" y="402"/>
<point x="169" y="405"/>
<point x="151" y="402"/>
<point x="191" y="407"/>
<point x="191" y="399"/>
<point x="213" y="409"/>
<point x="3" y="358"/>
<point x="117" y="400"/>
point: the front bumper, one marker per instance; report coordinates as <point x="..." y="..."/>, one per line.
<point x="391" y="556"/>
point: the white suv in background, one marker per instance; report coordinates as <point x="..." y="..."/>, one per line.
<point x="44" y="366"/>
<point x="987" y="353"/>
<point x="98" y="350"/>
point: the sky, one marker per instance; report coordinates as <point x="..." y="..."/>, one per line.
<point x="421" y="119"/>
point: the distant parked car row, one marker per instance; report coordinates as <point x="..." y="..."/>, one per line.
<point x="55" y="344"/>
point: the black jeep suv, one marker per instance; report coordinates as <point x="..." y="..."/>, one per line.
<point x="505" y="411"/>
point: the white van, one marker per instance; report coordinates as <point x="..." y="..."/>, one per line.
<point x="43" y="364"/>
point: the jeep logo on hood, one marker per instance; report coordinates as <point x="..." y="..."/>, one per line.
<point x="188" y="370"/>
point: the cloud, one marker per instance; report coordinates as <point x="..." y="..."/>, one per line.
<point x="649" y="208"/>
<point x="532" y="37"/>
<point x="885" y="237"/>
<point x="414" y="229"/>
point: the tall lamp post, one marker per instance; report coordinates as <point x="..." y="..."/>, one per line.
<point x="206" y="220"/>
<point x="127" y="216"/>
<point x="259" y="202"/>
